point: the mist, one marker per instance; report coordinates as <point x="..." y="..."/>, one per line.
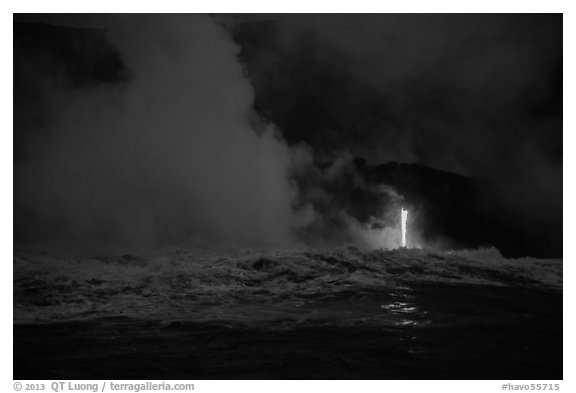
<point x="167" y="156"/>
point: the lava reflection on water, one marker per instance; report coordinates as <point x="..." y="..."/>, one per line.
<point x="407" y="313"/>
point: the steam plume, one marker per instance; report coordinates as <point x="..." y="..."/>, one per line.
<point x="169" y="155"/>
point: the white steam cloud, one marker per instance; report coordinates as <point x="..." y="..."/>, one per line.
<point x="169" y="155"/>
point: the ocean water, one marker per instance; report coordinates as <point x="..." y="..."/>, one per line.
<point x="202" y="313"/>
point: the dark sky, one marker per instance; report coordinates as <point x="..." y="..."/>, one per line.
<point x="478" y="95"/>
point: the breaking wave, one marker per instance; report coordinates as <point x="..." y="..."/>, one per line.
<point x="345" y="285"/>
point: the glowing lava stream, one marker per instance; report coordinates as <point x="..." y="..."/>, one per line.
<point x="404" y="219"/>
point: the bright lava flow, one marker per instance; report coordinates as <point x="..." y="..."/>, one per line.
<point x="404" y="219"/>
